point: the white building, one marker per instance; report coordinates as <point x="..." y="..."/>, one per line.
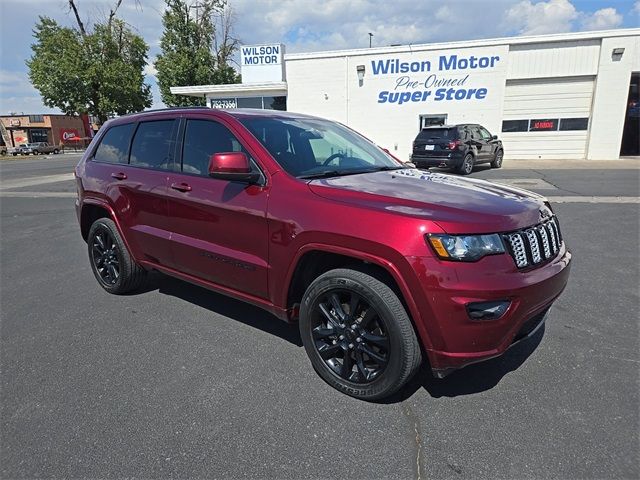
<point x="565" y="96"/>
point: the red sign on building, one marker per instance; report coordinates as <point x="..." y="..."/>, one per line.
<point x="68" y="133"/>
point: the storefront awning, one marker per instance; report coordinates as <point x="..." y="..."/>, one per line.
<point x="273" y="89"/>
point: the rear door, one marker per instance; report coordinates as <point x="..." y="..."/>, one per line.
<point x="131" y="165"/>
<point x="219" y="227"/>
<point x="434" y="142"/>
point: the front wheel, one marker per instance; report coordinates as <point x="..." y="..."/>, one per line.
<point x="358" y="335"/>
<point x="466" y="167"/>
<point x="497" y="161"/>
<point x="111" y="262"/>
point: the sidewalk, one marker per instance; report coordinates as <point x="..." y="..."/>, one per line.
<point x="628" y="163"/>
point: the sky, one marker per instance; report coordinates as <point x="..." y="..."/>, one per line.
<point x="310" y="25"/>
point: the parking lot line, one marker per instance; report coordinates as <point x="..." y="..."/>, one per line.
<point x="29" y="182"/>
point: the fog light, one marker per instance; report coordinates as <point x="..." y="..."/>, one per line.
<point x="487" y="310"/>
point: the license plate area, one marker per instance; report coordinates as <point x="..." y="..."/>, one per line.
<point x="429" y="147"/>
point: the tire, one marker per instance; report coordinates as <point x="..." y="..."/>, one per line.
<point x="377" y="339"/>
<point x="497" y="161"/>
<point x="14" y="154"/>
<point x="466" y="167"/>
<point x="56" y="151"/>
<point x="35" y="152"/>
<point x="121" y="274"/>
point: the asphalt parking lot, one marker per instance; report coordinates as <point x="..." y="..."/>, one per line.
<point x="180" y="382"/>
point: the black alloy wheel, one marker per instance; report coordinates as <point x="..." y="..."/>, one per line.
<point x="112" y="265"/>
<point x="357" y="333"/>
<point x="105" y="257"/>
<point x="350" y="336"/>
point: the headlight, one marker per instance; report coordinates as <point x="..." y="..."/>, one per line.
<point x="466" y="248"/>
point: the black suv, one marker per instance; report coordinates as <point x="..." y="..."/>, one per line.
<point x="458" y="147"/>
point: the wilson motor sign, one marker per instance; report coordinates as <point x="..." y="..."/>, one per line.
<point x="438" y="78"/>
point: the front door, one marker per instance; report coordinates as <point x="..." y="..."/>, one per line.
<point x="219" y="228"/>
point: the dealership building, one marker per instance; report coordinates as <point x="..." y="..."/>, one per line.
<point x="565" y="96"/>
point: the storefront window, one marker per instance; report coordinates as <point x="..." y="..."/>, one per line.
<point x="275" y="103"/>
<point x="39" y="135"/>
<point x="250" y="102"/>
<point x="268" y="103"/>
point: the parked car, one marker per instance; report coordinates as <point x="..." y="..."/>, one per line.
<point x="378" y="262"/>
<point x="16" y="150"/>
<point x="458" y="147"/>
<point x="3" y="150"/>
<point x="39" y="148"/>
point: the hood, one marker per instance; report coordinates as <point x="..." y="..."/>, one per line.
<point x="457" y="205"/>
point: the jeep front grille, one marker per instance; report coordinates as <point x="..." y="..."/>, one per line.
<point x="535" y="245"/>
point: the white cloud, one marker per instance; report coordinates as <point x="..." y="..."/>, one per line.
<point x="602" y="19"/>
<point x="150" y="70"/>
<point x="636" y="6"/>
<point x="552" y="16"/>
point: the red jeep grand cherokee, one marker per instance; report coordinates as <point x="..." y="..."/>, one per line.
<point x="378" y="262"/>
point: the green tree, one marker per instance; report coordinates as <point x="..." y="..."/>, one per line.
<point x="190" y="47"/>
<point x="99" y="72"/>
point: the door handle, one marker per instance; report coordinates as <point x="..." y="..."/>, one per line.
<point x="182" y="187"/>
<point x="119" y="175"/>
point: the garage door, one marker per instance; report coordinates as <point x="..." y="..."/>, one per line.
<point x="547" y="118"/>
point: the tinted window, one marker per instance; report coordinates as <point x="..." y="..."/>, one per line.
<point x="114" y="147"/>
<point x="275" y="103"/>
<point x="430" y="133"/>
<point x="152" y="145"/>
<point x="484" y="133"/>
<point x="203" y="138"/>
<point x="515" y="125"/>
<point x="574" y="124"/>
<point x="252" y="102"/>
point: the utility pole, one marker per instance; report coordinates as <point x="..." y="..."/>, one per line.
<point x="370" y="37"/>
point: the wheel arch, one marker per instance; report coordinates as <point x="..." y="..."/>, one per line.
<point x="316" y="259"/>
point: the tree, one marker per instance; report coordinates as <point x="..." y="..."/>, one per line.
<point x="193" y="52"/>
<point x="97" y="71"/>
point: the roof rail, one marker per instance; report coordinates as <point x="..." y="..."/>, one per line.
<point x="168" y="109"/>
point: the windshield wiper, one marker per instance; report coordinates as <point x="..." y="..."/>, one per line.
<point x="336" y="173"/>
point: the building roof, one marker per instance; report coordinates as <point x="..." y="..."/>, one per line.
<point x="531" y="39"/>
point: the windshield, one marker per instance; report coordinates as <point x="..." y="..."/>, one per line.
<point x="308" y="148"/>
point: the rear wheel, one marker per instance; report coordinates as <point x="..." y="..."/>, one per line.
<point x="56" y="151"/>
<point x="111" y="263"/>
<point x="466" y="167"/>
<point x="358" y="335"/>
<point x="497" y="161"/>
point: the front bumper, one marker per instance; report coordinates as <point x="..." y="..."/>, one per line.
<point x="454" y="339"/>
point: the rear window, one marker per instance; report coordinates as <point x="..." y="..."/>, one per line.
<point x="114" y="147"/>
<point x="430" y="133"/>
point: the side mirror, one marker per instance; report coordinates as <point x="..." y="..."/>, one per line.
<point x="232" y="166"/>
<point x="494" y="137"/>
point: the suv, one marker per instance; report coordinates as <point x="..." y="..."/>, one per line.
<point x="38" y="148"/>
<point x="380" y="264"/>
<point x="459" y="147"/>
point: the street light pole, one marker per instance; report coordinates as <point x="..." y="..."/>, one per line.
<point x="370" y="37"/>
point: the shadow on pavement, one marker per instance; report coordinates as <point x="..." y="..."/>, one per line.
<point x="467" y="381"/>
<point x="475" y="378"/>
<point x="226" y="306"/>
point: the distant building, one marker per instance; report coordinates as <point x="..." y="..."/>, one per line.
<point x="50" y="128"/>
